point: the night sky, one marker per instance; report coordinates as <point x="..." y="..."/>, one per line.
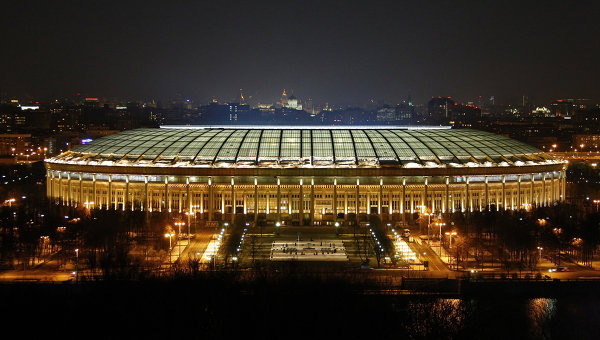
<point x="341" y="52"/>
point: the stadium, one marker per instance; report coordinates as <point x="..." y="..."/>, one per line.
<point x="305" y="175"/>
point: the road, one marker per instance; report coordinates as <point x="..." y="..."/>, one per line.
<point x="427" y="254"/>
<point x="198" y="244"/>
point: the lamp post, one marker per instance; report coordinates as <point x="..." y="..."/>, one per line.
<point x="597" y="202"/>
<point x="169" y="235"/>
<point x="179" y="224"/>
<point x="188" y="222"/>
<point x="440" y="224"/>
<point x="77" y="265"/>
<point x="428" y="226"/>
<point x="451" y="234"/>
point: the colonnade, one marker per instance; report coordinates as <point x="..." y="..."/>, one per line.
<point x="305" y="200"/>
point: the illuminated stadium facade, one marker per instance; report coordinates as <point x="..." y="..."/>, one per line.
<point x="305" y="175"/>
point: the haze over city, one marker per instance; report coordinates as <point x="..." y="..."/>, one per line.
<point x="340" y="52"/>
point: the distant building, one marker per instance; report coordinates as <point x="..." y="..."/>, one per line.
<point x="14" y="144"/>
<point x="293" y="104"/>
<point x="445" y="111"/>
<point x="586" y="142"/>
<point x="567" y="107"/>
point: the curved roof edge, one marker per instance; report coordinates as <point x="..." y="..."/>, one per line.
<point x="306" y="127"/>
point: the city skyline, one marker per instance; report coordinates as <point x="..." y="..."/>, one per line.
<point x="343" y="53"/>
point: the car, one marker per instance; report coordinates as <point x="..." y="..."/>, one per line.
<point x="558" y="269"/>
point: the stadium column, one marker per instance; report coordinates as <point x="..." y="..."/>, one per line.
<point x="368" y="198"/>
<point x="232" y="200"/>
<point x="312" y="202"/>
<point x="126" y="198"/>
<point x="345" y="205"/>
<point x="425" y="200"/>
<point x="487" y="194"/>
<point x="532" y="190"/>
<point x="109" y="198"/>
<point x="289" y="201"/>
<point x="519" y="192"/>
<point x="445" y="208"/>
<point x="244" y="200"/>
<point x="80" y="188"/>
<point x="469" y="201"/>
<point x="49" y="179"/>
<point x="167" y="199"/>
<point x="564" y="185"/>
<point x="180" y="201"/>
<point x="335" y="205"/>
<point x="188" y="195"/>
<point x="504" y="192"/>
<point x="268" y="201"/>
<point x="255" y="200"/>
<point x="357" y="205"/>
<point x="301" y="204"/>
<point x="552" y="187"/>
<point x="210" y="199"/>
<point x="544" y="198"/>
<point x="60" y="192"/>
<point x="146" y="201"/>
<point x="402" y="200"/>
<point x="95" y="196"/>
<point x="559" y="187"/>
<point x="222" y="205"/>
<point x="68" y="188"/>
<point x="379" y="197"/>
<point x="202" y="204"/>
<point x="278" y="199"/>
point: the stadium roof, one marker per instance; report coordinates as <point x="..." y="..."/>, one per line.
<point x="305" y="147"/>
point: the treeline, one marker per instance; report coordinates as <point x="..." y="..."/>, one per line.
<point x="518" y="239"/>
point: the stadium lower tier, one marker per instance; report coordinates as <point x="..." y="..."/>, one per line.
<point x="300" y="199"/>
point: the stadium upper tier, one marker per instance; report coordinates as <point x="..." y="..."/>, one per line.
<point x="407" y="147"/>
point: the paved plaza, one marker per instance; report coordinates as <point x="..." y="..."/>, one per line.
<point x="328" y="250"/>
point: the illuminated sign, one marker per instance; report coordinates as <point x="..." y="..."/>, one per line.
<point x="85" y="141"/>
<point x="29" y="107"/>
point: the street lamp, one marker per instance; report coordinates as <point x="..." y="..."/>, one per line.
<point x="189" y="213"/>
<point x="170" y="235"/>
<point x="179" y="224"/>
<point x="597" y="202"/>
<point x="450" y="234"/>
<point x="428" y="226"/>
<point x="540" y="251"/>
<point x="440" y="224"/>
<point x="77" y="265"/>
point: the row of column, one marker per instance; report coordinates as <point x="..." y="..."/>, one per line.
<point x="557" y="189"/>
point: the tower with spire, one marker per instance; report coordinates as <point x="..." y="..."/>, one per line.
<point x="284" y="99"/>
